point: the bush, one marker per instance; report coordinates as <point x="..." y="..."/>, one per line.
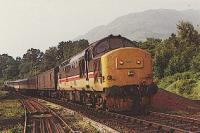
<point x="165" y="82"/>
<point x="186" y="86"/>
<point x="196" y="63"/>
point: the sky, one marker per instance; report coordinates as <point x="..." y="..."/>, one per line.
<point x="41" y="24"/>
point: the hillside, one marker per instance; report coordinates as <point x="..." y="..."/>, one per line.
<point x="158" y="23"/>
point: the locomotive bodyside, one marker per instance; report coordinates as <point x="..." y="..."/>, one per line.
<point x="74" y="81"/>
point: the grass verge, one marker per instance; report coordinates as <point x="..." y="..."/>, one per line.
<point x="185" y="84"/>
<point x="10" y="109"/>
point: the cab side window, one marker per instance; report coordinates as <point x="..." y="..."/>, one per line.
<point x="102" y="47"/>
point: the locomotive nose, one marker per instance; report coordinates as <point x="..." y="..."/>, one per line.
<point x="126" y="66"/>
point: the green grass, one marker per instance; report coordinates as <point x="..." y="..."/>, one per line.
<point x="196" y="90"/>
<point x="10" y="109"/>
<point x="185" y="84"/>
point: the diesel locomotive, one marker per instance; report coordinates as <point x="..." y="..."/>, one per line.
<point x="112" y="73"/>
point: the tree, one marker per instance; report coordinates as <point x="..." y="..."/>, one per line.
<point x="12" y="70"/>
<point x="30" y="62"/>
<point x="150" y="45"/>
<point x="5" y="62"/>
<point x="50" y="58"/>
<point x="72" y="48"/>
<point x="25" y="69"/>
<point x="60" y="51"/>
<point x="187" y="33"/>
<point x="161" y="61"/>
<point x="32" y="55"/>
<point x="176" y="64"/>
<point x="196" y="63"/>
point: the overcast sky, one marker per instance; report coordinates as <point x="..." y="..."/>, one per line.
<point x="44" y="23"/>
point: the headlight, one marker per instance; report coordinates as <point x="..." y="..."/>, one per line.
<point x="131" y="73"/>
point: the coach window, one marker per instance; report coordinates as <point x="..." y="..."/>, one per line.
<point x="67" y="68"/>
<point x="50" y="77"/>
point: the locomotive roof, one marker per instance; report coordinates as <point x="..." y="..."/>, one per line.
<point x="109" y="37"/>
<point x="79" y="56"/>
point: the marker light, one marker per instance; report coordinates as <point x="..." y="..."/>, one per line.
<point x="138" y="62"/>
<point x="121" y="62"/>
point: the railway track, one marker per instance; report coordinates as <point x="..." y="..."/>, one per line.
<point x="78" y="121"/>
<point x="179" y="122"/>
<point x="155" y="122"/>
<point x="41" y="119"/>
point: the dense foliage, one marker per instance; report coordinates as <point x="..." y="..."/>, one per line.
<point x="178" y="53"/>
<point x="177" y="60"/>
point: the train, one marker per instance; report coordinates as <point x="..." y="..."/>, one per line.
<point x="112" y="73"/>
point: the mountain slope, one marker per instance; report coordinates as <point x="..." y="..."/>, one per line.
<point x="158" y="23"/>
